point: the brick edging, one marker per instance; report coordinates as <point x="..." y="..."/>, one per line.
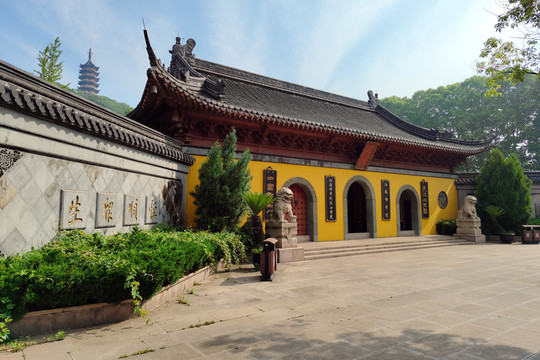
<point x="74" y="317"/>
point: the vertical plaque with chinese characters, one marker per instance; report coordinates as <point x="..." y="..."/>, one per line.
<point x="132" y="209"/>
<point x="269" y="187"/>
<point x="425" y="199"/>
<point x="107" y="210"/>
<point x="330" y="186"/>
<point x="385" y="196"/>
<point x="74" y="209"/>
<point x="152" y="210"/>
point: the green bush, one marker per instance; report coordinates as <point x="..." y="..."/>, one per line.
<point x="534" y="221"/>
<point x="502" y="183"/>
<point x="446" y="227"/>
<point x="78" y="268"/>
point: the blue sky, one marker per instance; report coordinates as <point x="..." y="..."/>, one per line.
<point x="393" y="47"/>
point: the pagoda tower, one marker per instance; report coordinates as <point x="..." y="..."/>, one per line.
<point x="89" y="76"/>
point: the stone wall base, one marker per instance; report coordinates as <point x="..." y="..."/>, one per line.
<point x="290" y="254"/>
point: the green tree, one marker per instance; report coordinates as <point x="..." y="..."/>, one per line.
<point x="50" y="68"/>
<point x="512" y="119"/>
<point x="506" y="61"/>
<point x="256" y="202"/>
<point x="502" y="183"/>
<point x="117" y="107"/>
<point x="222" y="183"/>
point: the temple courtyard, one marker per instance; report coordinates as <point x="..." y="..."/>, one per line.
<point x="457" y="302"/>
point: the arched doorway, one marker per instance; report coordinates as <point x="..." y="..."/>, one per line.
<point x="356" y="199"/>
<point x="305" y="207"/>
<point x="299" y="209"/>
<point x="408" y="216"/>
<point x="359" y="209"/>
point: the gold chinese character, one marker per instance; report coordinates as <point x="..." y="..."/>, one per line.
<point x="270" y="187"/>
<point x="73" y="211"/>
<point x="107" y="214"/>
<point x="132" y="209"/>
<point x="152" y="209"/>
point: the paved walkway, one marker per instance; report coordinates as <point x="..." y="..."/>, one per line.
<point x="458" y="302"/>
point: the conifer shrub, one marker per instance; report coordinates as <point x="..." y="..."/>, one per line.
<point x="502" y="182"/>
<point x="78" y="268"/>
<point x="223" y="181"/>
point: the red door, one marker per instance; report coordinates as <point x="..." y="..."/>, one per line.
<point x="299" y="208"/>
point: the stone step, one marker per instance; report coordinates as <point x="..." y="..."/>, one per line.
<point x="364" y="249"/>
<point x="357" y="245"/>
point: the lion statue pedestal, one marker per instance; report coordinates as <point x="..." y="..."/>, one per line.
<point x="282" y="230"/>
<point x="468" y="223"/>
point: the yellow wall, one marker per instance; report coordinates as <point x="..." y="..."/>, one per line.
<point x="315" y="176"/>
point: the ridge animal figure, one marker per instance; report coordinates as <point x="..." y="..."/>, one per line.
<point x="283" y="206"/>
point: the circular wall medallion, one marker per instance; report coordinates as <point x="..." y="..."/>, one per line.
<point x="443" y="200"/>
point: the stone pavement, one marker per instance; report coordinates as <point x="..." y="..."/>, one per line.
<point x="457" y="302"/>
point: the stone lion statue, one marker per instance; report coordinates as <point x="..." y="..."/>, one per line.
<point x="468" y="209"/>
<point x="283" y="206"/>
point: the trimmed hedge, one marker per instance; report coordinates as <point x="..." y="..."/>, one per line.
<point x="446" y="227"/>
<point x="78" y="268"/>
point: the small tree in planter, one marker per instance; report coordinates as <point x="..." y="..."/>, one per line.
<point x="253" y="228"/>
<point x="494" y="212"/>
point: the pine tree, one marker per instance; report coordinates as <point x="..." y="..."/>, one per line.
<point x="222" y="183"/>
<point x="502" y="183"/>
<point x="50" y="68"/>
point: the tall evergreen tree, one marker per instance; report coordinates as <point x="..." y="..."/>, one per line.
<point x="502" y="183"/>
<point x="223" y="181"/>
<point x="50" y="68"/>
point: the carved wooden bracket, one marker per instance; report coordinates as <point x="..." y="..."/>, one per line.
<point x="367" y="154"/>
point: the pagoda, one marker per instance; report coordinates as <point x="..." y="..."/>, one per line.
<point x="89" y="76"/>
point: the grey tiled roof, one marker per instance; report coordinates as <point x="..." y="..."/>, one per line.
<point x="469" y="178"/>
<point x="26" y="93"/>
<point x="267" y="97"/>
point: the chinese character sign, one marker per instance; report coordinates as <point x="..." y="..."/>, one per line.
<point x="152" y="210"/>
<point x="425" y="199"/>
<point x="269" y="187"/>
<point x="385" y="196"/>
<point x="73" y="210"/>
<point x="107" y="205"/>
<point x="330" y="187"/>
<point x="131" y="210"/>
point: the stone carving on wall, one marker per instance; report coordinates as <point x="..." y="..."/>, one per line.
<point x="278" y="227"/>
<point x="7" y="159"/>
<point x="468" y="223"/>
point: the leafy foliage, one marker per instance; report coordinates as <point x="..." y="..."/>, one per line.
<point x="506" y="61"/>
<point x="494" y="212"/>
<point x="106" y="102"/>
<point x="256" y="202"/>
<point x="446" y="227"/>
<point x="222" y="183"/>
<point x="78" y="268"/>
<point x="50" y="68"/>
<point x="502" y="183"/>
<point x="512" y="119"/>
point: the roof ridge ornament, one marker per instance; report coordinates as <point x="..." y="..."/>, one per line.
<point x="182" y="62"/>
<point x="373" y="99"/>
